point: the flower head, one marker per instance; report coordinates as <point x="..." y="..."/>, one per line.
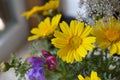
<point x="50" y="60"/>
<point x="45" y="27"/>
<point x="4" y="66"/>
<point x="34" y="10"/>
<point x="51" y="5"/>
<point x="93" y="76"/>
<point x="73" y="41"/>
<point x="37" y="70"/>
<point x="107" y="34"/>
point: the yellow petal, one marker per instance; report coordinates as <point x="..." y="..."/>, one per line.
<point x="88" y="78"/>
<point x="27" y="14"/>
<point x="118" y="46"/>
<point x="62" y="53"/>
<point x="52" y="4"/>
<point x="113" y="49"/>
<point x="80" y="77"/>
<point x="80" y="27"/>
<point x="59" y="43"/>
<point x="42" y="25"/>
<point x="70" y="58"/>
<point x="47" y="21"/>
<point x="93" y="73"/>
<point x="64" y="27"/>
<point x="33" y="37"/>
<point x="89" y="40"/>
<point x="104" y="45"/>
<point x="86" y="32"/>
<point x="56" y="19"/>
<point x="73" y="26"/>
<point x="82" y="51"/>
<point x="77" y="57"/>
<point x="94" y="76"/>
<point x="35" y="31"/>
<point x="88" y="46"/>
<point x="60" y="35"/>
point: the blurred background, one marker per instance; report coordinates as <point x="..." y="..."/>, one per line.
<point x="14" y="28"/>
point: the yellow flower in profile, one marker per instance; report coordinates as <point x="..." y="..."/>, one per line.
<point x="93" y="76"/>
<point x="51" y="5"/>
<point x="107" y="34"/>
<point x="45" y="28"/>
<point x="73" y="41"/>
<point x="34" y="10"/>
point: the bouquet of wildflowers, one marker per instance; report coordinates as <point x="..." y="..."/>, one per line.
<point x="71" y="51"/>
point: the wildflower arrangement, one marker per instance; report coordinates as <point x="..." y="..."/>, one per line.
<point x="71" y="51"/>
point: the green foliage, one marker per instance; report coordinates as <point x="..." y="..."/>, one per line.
<point x="97" y="60"/>
<point x="20" y="66"/>
<point x="100" y="63"/>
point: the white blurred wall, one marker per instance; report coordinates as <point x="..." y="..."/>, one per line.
<point x="17" y="34"/>
<point x="69" y="7"/>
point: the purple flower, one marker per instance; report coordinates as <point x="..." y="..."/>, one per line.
<point x="50" y="60"/>
<point x="36" y="73"/>
<point x="35" y="61"/>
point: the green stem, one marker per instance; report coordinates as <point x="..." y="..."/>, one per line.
<point x="63" y="66"/>
<point x="106" y="60"/>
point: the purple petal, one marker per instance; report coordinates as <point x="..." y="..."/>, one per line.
<point x="35" y="61"/>
<point x="36" y="73"/>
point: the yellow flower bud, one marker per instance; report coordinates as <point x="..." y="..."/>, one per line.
<point x="4" y="66"/>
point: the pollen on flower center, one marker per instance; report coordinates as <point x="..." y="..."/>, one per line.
<point x="112" y="35"/>
<point x="75" y="42"/>
<point x="44" y="31"/>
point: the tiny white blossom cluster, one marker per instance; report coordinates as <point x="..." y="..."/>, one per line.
<point x="96" y="9"/>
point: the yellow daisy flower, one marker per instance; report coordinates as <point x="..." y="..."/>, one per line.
<point x="108" y="34"/>
<point x="73" y="41"/>
<point x="51" y="5"/>
<point x="45" y="27"/>
<point x="93" y="76"/>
